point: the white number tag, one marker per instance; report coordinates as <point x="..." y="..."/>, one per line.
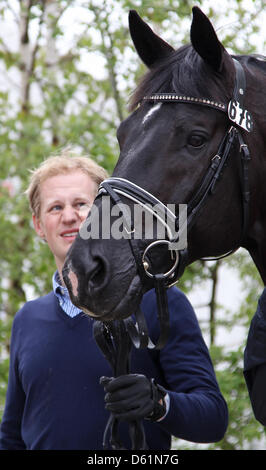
<point x="240" y="116"/>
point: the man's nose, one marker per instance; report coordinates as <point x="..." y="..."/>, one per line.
<point x="70" y="214"/>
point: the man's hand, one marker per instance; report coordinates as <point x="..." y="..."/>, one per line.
<point x="134" y="396"/>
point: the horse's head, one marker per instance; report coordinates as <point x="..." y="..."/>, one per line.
<point x="167" y="146"/>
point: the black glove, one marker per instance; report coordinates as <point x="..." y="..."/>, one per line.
<point x="134" y="396"/>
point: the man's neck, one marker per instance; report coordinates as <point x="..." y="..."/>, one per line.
<point x="59" y="271"/>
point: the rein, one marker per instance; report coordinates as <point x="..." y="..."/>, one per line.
<point x="115" y="344"/>
<point x="119" y="187"/>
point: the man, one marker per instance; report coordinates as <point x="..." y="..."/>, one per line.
<point x="55" y="399"/>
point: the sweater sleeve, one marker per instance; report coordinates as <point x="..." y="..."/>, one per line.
<point x="198" y="411"/>
<point x="10" y="430"/>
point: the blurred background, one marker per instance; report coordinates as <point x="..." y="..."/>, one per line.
<point x="67" y="70"/>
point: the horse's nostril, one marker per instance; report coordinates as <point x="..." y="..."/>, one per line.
<point x="98" y="276"/>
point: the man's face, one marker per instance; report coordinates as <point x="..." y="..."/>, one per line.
<point x="62" y="199"/>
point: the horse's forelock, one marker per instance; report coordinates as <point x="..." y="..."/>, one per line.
<point x="182" y="72"/>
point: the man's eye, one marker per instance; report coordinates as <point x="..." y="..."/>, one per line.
<point x="84" y="208"/>
<point x="57" y="207"/>
<point x="84" y="205"/>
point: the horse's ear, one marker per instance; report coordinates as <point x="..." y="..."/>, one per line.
<point x="205" y="41"/>
<point x="150" y="47"/>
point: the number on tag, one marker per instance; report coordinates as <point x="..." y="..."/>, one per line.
<point x="240" y="116"/>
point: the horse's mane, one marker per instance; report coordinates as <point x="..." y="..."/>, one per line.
<point x="183" y="72"/>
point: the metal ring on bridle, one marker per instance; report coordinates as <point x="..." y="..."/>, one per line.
<point x="151" y="245"/>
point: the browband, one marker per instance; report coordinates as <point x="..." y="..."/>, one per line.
<point x="185" y="99"/>
<point x="235" y="108"/>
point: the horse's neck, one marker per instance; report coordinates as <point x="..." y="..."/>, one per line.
<point x="256" y="140"/>
<point x="258" y="254"/>
<point x="255" y="71"/>
<point x="256" y="240"/>
<point x="257" y="231"/>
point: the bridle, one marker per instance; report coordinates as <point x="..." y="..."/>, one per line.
<point x="117" y="187"/>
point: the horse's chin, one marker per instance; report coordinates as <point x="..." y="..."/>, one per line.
<point x="125" y="306"/>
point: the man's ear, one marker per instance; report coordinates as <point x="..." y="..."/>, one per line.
<point x="37" y="226"/>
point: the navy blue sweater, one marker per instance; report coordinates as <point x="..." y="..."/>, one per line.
<point x="54" y="400"/>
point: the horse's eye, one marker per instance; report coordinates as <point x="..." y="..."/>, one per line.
<point x="196" y="140"/>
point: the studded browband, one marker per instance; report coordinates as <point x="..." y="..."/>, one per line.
<point x="185" y="99"/>
<point x="235" y="108"/>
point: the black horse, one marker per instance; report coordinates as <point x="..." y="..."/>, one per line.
<point x="196" y="136"/>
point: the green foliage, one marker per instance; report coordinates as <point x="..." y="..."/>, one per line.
<point x="53" y="95"/>
<point x="243" y="430"/>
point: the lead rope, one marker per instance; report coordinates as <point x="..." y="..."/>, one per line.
<point x="115" y="340"/>
<point x="115" y="343"/>
<point x="138" y="331"/>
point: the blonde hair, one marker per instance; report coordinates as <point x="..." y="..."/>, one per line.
<point x="63" y="163"/>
